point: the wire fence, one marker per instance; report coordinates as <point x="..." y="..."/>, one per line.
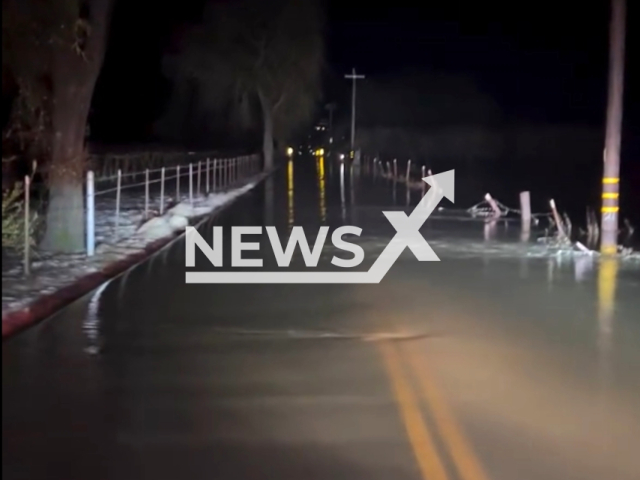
<point x="557" y="226"/>
<point x="107" y="165"/>
<point x="411" y="174"/>
<point x="153" y="190"/>
<point x="118" y="200"/>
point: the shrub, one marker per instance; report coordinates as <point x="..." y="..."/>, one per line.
<point x="13" y="219"/>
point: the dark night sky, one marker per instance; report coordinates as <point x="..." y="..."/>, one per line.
<point x="542" y="61"/>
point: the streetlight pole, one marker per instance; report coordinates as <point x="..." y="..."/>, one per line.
<point x="353" y="77"/>
<point x="611" y="174"/>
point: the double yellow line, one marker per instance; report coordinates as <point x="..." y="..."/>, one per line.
<point x="432" y="467"/>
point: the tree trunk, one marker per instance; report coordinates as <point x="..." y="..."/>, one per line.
<point x="65" y="223"/>
<point x="267" y="137"/>
<point x="73" y="80"/>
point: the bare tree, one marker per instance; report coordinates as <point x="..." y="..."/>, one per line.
<point x="56" y="50"/>
<point x="251" y="53"/>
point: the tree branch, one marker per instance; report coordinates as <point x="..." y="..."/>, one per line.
<point x="99" y="18"/>
<point x="283" y="95"/>
<point x="278" y="104"/>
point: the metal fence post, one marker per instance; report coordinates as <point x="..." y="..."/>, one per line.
<point x="162" y="191"/>
<point x="118" y="185"/>
<point x="494" y="206"/>
<point x="223" y="174"/>
<point x="91" y="237"/>
<point x="234" y="170"/>
<point x="234" y="173"/>
<point x="178" y="183"/>
<point x="214" y="180"/>
<point x="191" y="183"/>
<point x="146" y="194"/>
<point x="27" y="238"/>
<point x="206" y="176"/>
<point x="198" y="184"/>
<point x="558" y="220"/>
<point x="525" y="208"/>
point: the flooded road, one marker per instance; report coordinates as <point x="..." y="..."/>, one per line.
<point x="504" y="361"/>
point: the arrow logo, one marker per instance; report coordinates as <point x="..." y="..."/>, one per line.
<point x="407" y="236"/>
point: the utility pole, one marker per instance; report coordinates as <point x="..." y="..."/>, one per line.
<point x="611" y="174"/>
<point x="353" y="77"/>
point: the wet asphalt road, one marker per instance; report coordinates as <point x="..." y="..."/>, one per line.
<point x="511" y="364"/>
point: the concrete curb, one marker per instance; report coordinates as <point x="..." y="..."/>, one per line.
<point x="47" y="305"/>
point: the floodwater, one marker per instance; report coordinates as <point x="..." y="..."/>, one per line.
<point x="503" y="361"/>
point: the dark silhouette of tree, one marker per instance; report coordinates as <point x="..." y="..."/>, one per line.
<point x="55" y="51"/>
<point x="424" y="100"/>
<point x="259" y="62"/>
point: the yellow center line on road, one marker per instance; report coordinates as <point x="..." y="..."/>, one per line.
<point x="424" y="449"/>
<point x="467" y="464"/>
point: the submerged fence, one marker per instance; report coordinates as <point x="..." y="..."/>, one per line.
<point x="411" y="174"/>
<point x="557" y="225"/>
<point x="119" y="197"/>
